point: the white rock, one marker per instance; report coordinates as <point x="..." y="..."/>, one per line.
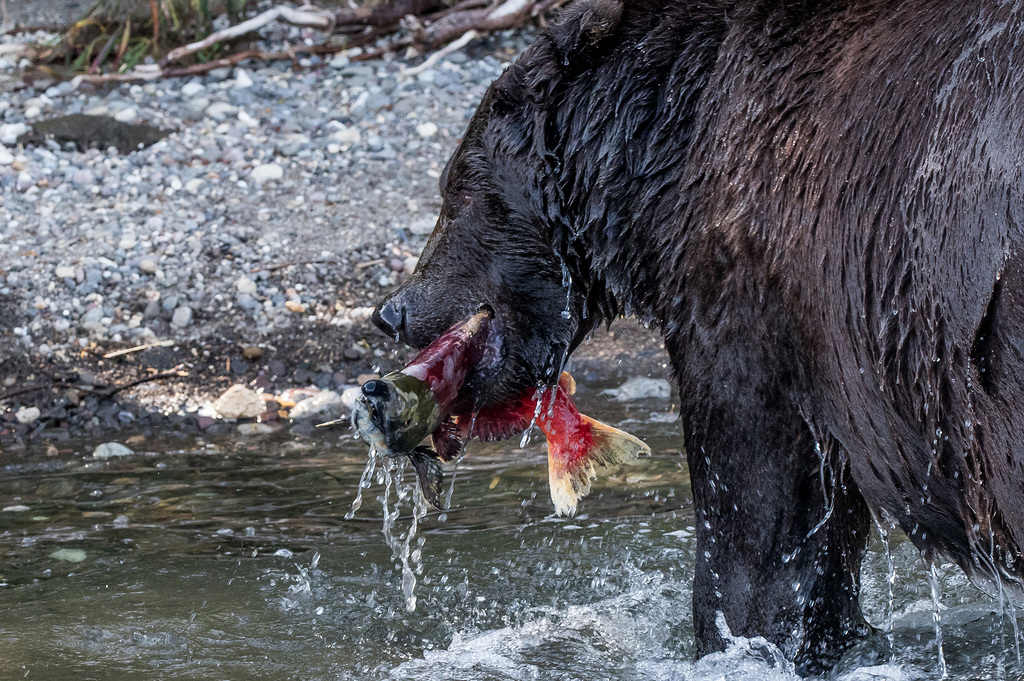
<point x="220" y="110"/>
<point x="64" y="272"/>
<point x="27" y="414"/>
<point x="409" y="265"/>
<point x="247" y="120"/>
<point x="340" y="62"/>
<point x="6" y="157"/>
<point x="148" y="265"/>
<point x="126" y="115"/>
<point x="109" y="450"/>
<point x="323" y="406"/>
<point x="193" y="185"/>
<point x="242" y="79"/>
<point x="347" y="135"/>
<point x="350" y="395"/>
<point x="426" y="130"/>
<point x="246" y="285"/>
<point x="640" y="388"/>
<point x="423" y="227"/>
<point x="239" y="402"/>
<point x="267" y="172"/>
<point x="10" y="132"/>
<point x="33" y="112"/>
<point x="192" y="89"/>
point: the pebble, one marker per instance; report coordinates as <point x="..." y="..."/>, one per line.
<point x="126" y="115"/>
<point x="148" y="265"/>
<point x="426" y="130"/>
<point x="238" y="402"/>
<point x="640" y="388"/>
<point x="423" y="227"/>
<point x="295" y="306"/>
<point x="27" y="414"/>
<point x="182" y="317"/>
<point x="246" y="285"/>
<point x="110" y="450"/>
<point x="267" y="172"/>
<point x="6" y="157"/>
<point x="10" y="132"/>
<point x="192" y="89"/>
<point x="324" y="406"/>
<point x="242" y="79"/>
<point x="255" y="428"/>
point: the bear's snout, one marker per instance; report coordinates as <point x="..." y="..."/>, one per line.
<point x="389" y="317"/>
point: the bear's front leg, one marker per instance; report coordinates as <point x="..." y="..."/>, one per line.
<point x="781" y="525"/>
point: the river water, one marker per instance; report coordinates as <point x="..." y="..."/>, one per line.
<point x="231" y="559"/>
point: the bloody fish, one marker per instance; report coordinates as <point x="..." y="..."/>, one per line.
<point x="394" y="414"/>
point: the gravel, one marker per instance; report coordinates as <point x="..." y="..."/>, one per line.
<point x="246" y="247"/>
<point x="283" y="205"/>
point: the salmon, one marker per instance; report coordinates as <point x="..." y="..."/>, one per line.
<point x="395" y="413"/>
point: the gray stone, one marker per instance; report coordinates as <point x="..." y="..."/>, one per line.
<point x="182" y="317"/>
<point x="110" y="450"/>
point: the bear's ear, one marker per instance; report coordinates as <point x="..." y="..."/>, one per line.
<point x="580" y="30"/>
<point x="566" y="48"/>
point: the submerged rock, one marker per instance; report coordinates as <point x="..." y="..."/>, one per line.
<point x="640" y="388"/>
<point x="110" y="450"/>
<point x="86" y="132"/>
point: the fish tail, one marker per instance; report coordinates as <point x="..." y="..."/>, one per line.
<point x="574" y="463"/>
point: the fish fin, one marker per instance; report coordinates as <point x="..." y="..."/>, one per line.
<point x="448" y="439"/>
<point x="429" y="473"/>
<point x="567" y="383"/>
<point x="574" y="463"/>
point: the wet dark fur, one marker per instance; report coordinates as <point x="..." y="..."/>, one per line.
<point x="820" y="204"/>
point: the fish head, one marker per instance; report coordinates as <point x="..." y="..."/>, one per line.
<point x="394" y="413"/>
<point x="496" y="245"/>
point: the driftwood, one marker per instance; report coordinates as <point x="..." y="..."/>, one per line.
<point x="429" y="25"/>
<point x="99" y="391"/>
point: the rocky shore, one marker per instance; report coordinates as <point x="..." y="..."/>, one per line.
<point x="246" y="247"/>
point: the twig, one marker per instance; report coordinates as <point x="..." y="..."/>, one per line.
<point x="309" y="16"/>
<point x="114" y="389"/>
<point x="282" y="265"/>
<point x="370" y="263"/>
<point x="440" y="54"/>
<point x="100" y="392"/>
<point x="33" y="388"/>
<point x="139" y="348"/>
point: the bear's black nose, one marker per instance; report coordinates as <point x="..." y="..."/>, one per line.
<point x="389" y="317"/>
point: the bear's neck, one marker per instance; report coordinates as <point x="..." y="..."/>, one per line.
<point x="622" y="131"/>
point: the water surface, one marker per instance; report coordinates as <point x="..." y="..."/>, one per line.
<point x="231" y="559"/>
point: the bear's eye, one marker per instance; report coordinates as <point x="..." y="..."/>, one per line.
<point x="466" y="198"/>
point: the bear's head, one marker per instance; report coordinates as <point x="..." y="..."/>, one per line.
<point x="502" y="240"/>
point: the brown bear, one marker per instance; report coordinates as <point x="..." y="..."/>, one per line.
<point x="820" y="205"/>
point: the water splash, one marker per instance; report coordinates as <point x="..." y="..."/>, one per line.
<point x="401" y="544"/>
<point x="936" y="590"/>
<point x="889" y="623"/>
<point x="364" y="483"/>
